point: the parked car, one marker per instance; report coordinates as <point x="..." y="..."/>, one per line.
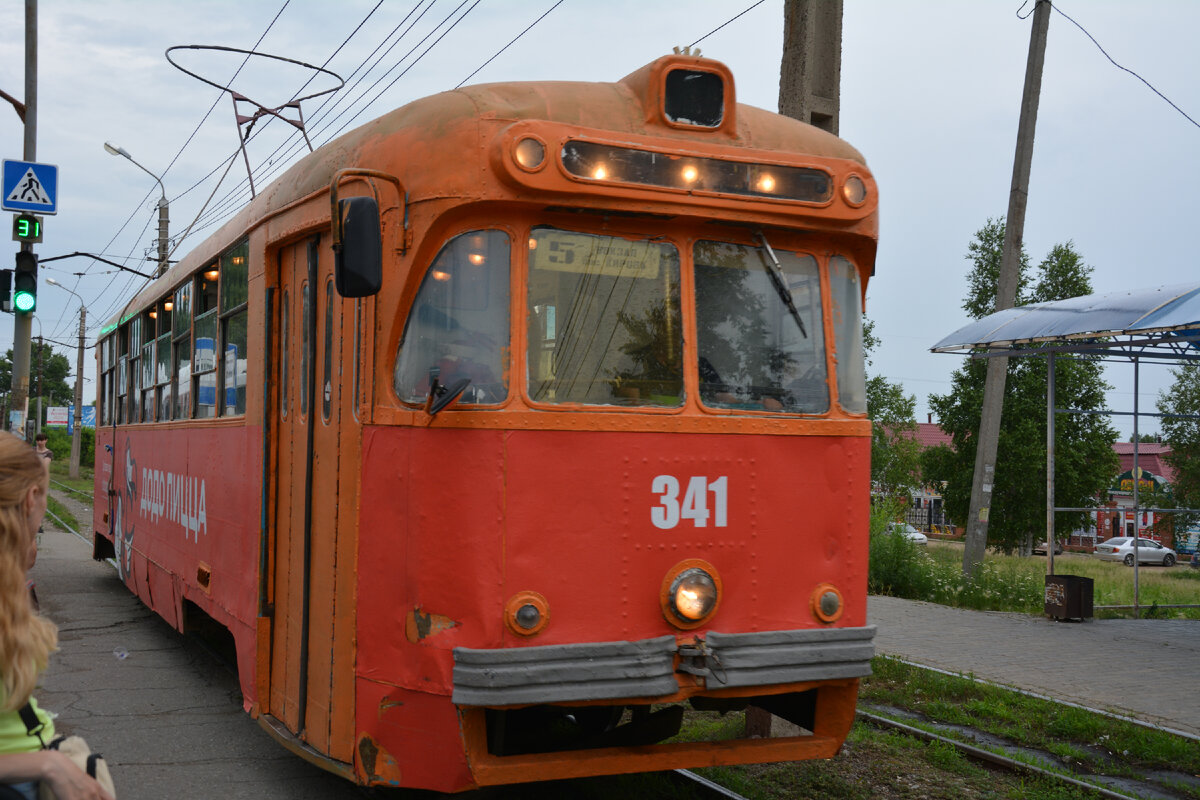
<point x="1039" y="549"/>
<point x="1148" y="551"/>
<point x="908" y="532"/>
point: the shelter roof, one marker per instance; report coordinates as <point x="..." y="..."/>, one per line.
<point x="1164" y="317"/>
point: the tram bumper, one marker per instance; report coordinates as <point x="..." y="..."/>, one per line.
<point x="659" y="667"/>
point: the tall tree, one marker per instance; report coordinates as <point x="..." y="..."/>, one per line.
<point x="895" y="453"/>
<point x="1183" y="435"/>
<point x="1084" y="460"/>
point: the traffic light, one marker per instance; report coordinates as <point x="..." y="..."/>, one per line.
<point x="6" y="289"/>
<point x="25" y="282"/>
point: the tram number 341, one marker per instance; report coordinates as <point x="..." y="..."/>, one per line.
<point x="694" y="504"/>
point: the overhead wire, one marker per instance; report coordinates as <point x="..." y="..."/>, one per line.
<point x="1149" y="85"/>
<point x="726" y="22"/>
<point x="112" y="308"/>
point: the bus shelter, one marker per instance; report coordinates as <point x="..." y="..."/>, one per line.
<point x="1158" y="325"/>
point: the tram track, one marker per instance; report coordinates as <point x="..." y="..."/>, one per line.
<point x="1030" y="761"/>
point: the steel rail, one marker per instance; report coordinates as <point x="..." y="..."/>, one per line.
<point x="982" y="754"/>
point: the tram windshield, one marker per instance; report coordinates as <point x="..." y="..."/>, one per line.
<point x="753" y="353"/>
<point x="459" y="324"/>
<point x="604" y="320"/>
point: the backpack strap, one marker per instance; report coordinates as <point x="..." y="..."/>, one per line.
<point x="33" y="725"/>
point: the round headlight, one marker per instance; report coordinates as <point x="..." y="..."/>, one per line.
<point x="530" y="153"/>
<point x="691" y="593"/>
<point x="854" y="190"/>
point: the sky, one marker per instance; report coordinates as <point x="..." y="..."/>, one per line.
<point x="930" y="95"/>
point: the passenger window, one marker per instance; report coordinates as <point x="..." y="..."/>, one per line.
<point x="458" y="326"/>
<point x="604" y="320"/>
<point x="753" y="353"/>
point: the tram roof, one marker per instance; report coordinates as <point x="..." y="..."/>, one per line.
<point x="1166" y="318"/>
<point x="618" y="107"/>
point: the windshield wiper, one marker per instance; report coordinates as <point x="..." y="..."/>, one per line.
<point x="775" y="270"/>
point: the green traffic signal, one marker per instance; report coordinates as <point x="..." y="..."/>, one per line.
<point x="25" y="282"/>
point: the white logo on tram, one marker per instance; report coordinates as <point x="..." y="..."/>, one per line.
<point x="694" y="506"/>
<point x="177" y="498"/>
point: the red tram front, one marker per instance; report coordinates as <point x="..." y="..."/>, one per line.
<point x="536" y="429"/>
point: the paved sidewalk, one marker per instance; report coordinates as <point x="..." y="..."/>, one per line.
<point x="1144" y="669"/>
<point x="166" y="716"/>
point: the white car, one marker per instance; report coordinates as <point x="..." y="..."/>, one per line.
<point x="1148" y="551"/>
<point x="908" y="532"/>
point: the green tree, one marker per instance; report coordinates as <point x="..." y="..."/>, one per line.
<point x="1084" y="459"/>
<point x="48" y="375"/>
<point x="1183" y="435"/>
<point x="895" y="453"/>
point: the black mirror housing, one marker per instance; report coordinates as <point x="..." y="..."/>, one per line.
<point x="358" y="257"/>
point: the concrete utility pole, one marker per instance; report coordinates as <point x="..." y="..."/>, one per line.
<point x="1006" y="292"/>
<point x="810" y="74"/>
<point x="23" y="322"/>
<point x="77" y="432"/>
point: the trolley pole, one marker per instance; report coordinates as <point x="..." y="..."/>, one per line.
<point x="23" y="322"/>
<point x="984" y="477"/>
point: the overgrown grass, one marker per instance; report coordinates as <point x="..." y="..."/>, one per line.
<point x="933" y="573"/>
<point x="1111" y="745"/>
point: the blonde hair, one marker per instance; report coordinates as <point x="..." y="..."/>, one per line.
<point x="26" y="639"/>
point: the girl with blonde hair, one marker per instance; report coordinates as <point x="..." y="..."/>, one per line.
<point x="26" y="639"/>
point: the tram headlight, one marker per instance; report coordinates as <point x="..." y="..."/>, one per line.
<point x="854" y="190"/>
<point x="530" y="154"/>
<point x="691" y="594"/>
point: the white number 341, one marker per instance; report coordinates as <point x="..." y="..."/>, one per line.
<point x="694" y="505"/>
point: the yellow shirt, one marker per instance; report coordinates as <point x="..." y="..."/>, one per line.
<point x="14" y="737"/>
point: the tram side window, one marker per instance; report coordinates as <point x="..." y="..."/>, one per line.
<point x="234" y="295"/>
<point x="752" y="351"/>
<point x="133" y="406"/>
<point x="845" y="290"/>
<point x="149" y="321"/>
<point x="604" y="320"/>
<point x="181" y="338"/>
<point x="162" y="375"/>
<point x="121" y="381"/>
<point x="458" y="327"/>
<point x="204" y="345"/>
<point x="106" y="381"/>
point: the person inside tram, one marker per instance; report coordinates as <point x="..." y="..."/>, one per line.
<point x="27" y="639"/>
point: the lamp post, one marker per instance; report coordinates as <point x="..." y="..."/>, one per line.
<point x="76" y="435"/>
<point x="117" y="150"/>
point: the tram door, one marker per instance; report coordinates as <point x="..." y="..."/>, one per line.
<point x="312" y="553"/>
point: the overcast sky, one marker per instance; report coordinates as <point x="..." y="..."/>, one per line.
<point x="930" y="95"/>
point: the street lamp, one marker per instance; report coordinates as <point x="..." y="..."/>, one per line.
<point x="117" y="150"/>
<point x="76" y="435"/>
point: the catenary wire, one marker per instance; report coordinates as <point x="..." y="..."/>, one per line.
<point x="722" y="25"/>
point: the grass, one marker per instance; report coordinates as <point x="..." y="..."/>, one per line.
<point x="81" y="489"/>
<point x="1012" y="583"/>
<point x="1084" y="736"/>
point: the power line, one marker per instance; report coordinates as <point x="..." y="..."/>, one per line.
<point x="1111" y="60"/>
<point x="722" y="25"/>
<point x="510" y="44"/>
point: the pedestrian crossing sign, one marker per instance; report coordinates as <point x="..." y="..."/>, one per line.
<point x="29" y="187"/>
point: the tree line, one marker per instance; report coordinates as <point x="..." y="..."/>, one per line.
<point x="1085" y="460"/>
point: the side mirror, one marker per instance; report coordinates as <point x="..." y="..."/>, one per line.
<point x="358" y="251"/>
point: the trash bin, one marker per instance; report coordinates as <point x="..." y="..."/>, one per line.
<point x="1068" y="597"/>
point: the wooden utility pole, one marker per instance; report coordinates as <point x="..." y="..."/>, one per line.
<point x="810" y="73"/>
<point x="1006" y="292"/>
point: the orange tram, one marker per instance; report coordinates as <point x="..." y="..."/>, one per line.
<point x="503" y="430"/>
